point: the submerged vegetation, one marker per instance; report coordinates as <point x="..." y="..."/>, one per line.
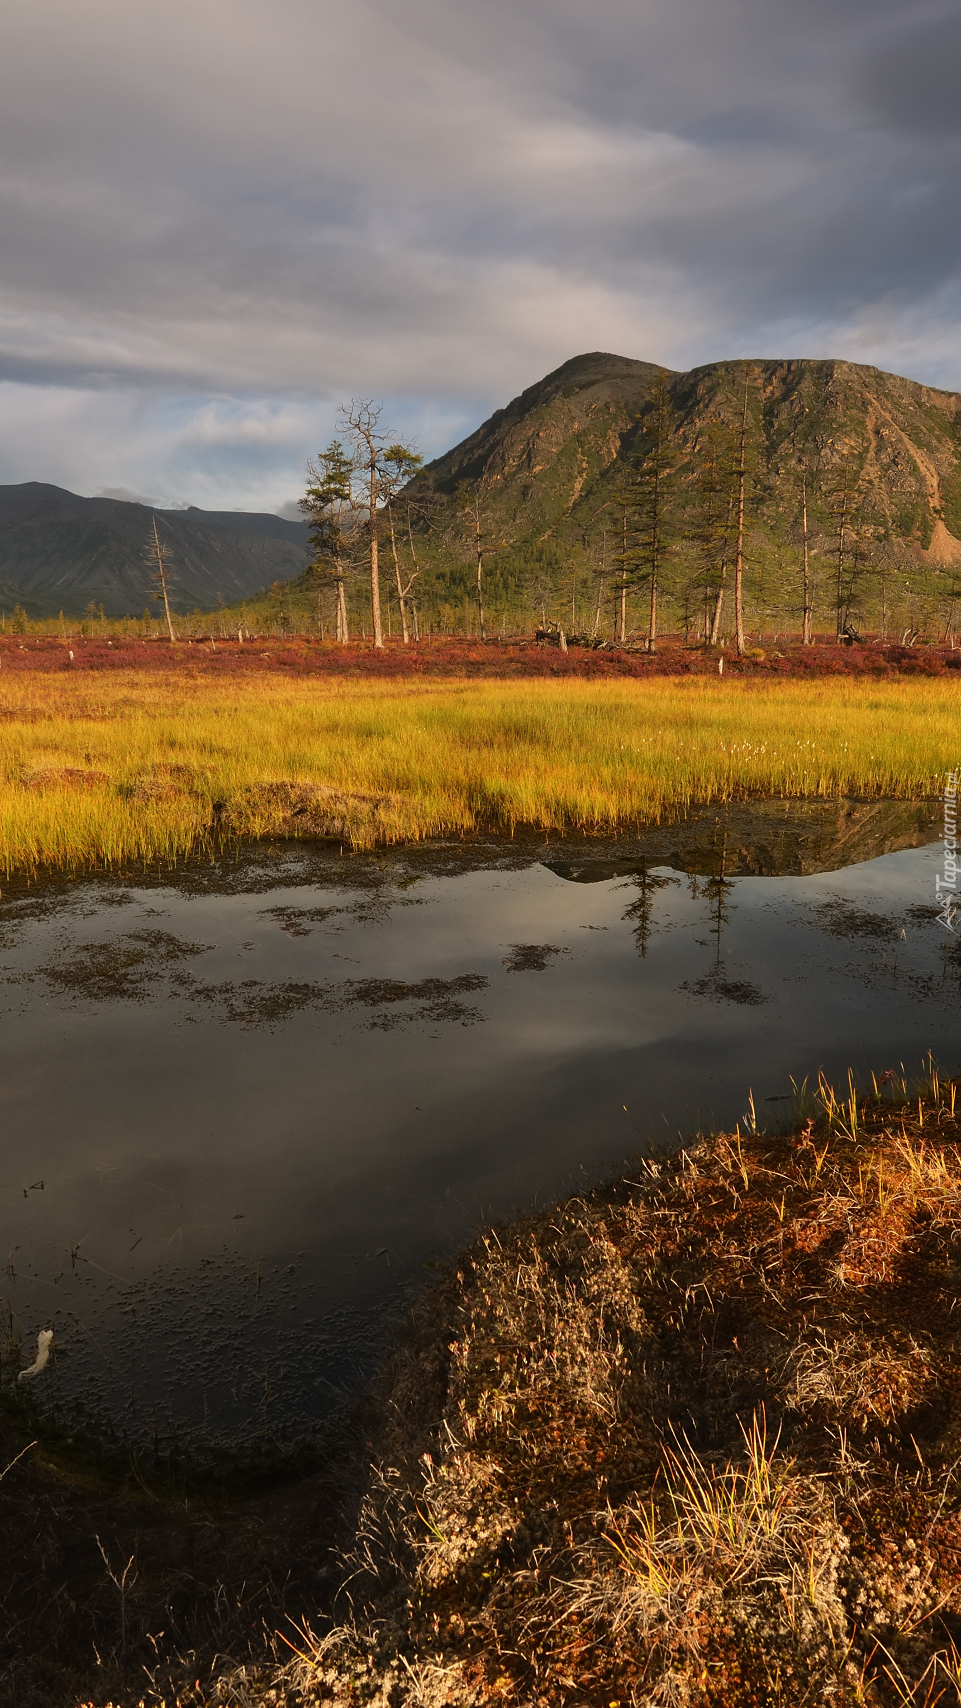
<point x="121" y="767"/>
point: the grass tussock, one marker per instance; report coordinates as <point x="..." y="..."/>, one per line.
<point x="691" y="1439"/>
<point x="101" y="770"/>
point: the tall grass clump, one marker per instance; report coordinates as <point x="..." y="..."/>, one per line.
<point x="131" y="769"/>
<point x="687" y="1439"/>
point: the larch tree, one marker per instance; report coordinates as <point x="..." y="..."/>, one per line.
<point x="645" y="496"/>
<point x="374" y="462"/>
<point x="806" y="637"/>
<point x="328" y="504"/>
<point x="475" y="520"/>
<point x="741" y="476"/>
<point x="842" y="503"/>
<point x="713" y="529"/>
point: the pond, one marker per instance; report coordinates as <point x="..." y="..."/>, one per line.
<point x="247" y="1103"/>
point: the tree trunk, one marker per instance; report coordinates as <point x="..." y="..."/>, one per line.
<point x="622" y="624"/>
<point x="376" y="618"/>
<point x="806" y="616"/>
<point x="343" y="633"/>
<point x="718" y="603"/>
<point x="480" y="577"/>
<point x="400" y="590"/>
<point x="739" y="556"/>
<point x="842" y="524"/>
<point x="158" y="550"/>
<point x="415" y="574"/>
<point x="655" y="560"/>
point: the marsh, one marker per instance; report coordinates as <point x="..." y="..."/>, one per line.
<point x="247" y="1102"/>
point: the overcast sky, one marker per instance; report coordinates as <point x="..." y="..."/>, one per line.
<point x="219" y="218"/>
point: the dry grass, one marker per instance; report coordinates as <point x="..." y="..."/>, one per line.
<point x="697" y="1440"/>
<point x="105" y="770"/>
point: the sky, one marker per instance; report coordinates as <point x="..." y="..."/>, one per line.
<point x="219" y="219"/>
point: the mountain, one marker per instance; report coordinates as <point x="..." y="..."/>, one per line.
<point x="60" y="552"/>
<point x="547" y="469"/>
<point x="549" y="458"/>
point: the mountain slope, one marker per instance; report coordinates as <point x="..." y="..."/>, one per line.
<point x="548" y="463"/>
<point x="59" y="551"/>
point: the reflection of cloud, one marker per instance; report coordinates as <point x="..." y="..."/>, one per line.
<point x="202" y="262"/>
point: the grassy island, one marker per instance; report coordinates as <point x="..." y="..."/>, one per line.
<point x="110" y="767"/>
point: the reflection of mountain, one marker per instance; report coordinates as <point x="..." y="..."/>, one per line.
<point x="766" y="839"/>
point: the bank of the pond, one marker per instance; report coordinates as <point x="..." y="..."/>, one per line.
<point x="99" y="770"/>
<point x="691" y="1437"/>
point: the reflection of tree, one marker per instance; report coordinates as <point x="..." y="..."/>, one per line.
<point x="641" y="910"/>
<point x="716" y="985"/>
<point x="717" y="889"/>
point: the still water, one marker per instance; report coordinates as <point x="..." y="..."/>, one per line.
<point x="244" y="1104"/>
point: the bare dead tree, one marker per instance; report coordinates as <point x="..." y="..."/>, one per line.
<point x="805" y="538"/>
<point x="158" y="556"/>
<point x="401" y="463"/>
<point x="413" y="559"/>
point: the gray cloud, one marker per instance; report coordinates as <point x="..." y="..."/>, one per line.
<point x="910" y="79"/>
<point x="219" y="217"/>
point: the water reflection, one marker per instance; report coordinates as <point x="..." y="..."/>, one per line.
<point x="244" y="1104"/>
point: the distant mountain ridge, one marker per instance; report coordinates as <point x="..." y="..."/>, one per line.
<point x="59" y="551"/>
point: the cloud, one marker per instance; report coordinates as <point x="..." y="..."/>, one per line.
<point x="220" y="218"/>
<point x="127" y="496"/>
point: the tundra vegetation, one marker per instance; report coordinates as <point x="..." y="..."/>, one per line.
<point x="113" y="766"/>
<point x="690" y="1437"/>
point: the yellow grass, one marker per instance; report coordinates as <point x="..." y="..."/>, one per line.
<point x="97" y="771"/>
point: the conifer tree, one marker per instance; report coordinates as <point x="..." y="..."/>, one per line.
<point x="328" y="504"/>
<point x="713" y="529"/>
<point x="645" y="498"/>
